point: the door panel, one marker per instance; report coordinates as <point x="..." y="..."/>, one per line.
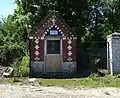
<point x="53" y="55"/>
<point x="53" y="63"/>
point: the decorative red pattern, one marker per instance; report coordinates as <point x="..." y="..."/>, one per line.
<point x="32" y="49"/>
<point x="74" y="49"/>
<point x="41" y="49"/>
<point x="65" y="50"/>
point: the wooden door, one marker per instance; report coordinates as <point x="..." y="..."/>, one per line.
<point x="53" y="54"/>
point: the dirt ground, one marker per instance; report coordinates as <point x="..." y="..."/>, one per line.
<point x="26" y="91"/>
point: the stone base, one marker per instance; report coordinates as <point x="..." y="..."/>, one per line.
<point x="69" y="67"/>
<point x="37" y="66"/>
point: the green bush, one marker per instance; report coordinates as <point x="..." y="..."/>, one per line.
<point x="21" y="67"/>
<point x="24" y="67"/>
<point x="16" y="66"/>
<point x="93" y="75"/>
<point x="10" y="53"/>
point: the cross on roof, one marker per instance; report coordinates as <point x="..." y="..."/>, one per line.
<point x="53" y="20"/>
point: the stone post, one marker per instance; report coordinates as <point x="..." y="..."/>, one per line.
<point x="113" y="53"/>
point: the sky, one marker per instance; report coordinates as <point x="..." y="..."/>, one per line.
<point x="6" y="7"/>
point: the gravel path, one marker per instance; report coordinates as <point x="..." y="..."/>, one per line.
<point x="16" y="91"/>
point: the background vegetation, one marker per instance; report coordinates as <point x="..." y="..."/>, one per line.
<point x="92" y="20"/>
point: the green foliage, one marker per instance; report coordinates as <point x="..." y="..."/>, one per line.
<point x="21" y="67"/>
<point x="8" y="53"/>
<point x="107" y="81"/>
<point x="93" y="75"/>
<point x="16" y="66"/>
<point x="92" y="20"/>
<point x="24" y="67"/>
<point x="14" y="37"/>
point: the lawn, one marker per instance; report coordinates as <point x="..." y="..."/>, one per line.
<point x="82" y="82"/>
<point x="107" y="81"/>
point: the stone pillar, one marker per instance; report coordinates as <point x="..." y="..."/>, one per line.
<point x="113" y="53"/>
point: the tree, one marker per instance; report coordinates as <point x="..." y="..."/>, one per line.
<point x="114" y="16"/>
<point x="91" y="19"/>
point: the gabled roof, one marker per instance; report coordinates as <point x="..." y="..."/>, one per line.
<point x="52" y="19"/>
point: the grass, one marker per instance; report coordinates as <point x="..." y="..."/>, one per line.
<point x="94" y="82"/>
<point x="106" y="81"/>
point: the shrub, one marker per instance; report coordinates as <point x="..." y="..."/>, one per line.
<point x="15" y="66"/>
<point x="93" y="75"/>
<point x="21" y="67"/>
<point x="24" y="67"/>
<point x="10" y="52"/>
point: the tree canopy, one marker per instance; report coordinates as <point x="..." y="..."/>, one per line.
<point x="91" y="19"/>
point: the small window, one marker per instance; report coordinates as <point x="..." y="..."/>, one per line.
<point x="53" y="32"/>
<point x="53" y="46"/>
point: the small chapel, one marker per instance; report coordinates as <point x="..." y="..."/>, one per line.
<point x="52" y="46"/>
